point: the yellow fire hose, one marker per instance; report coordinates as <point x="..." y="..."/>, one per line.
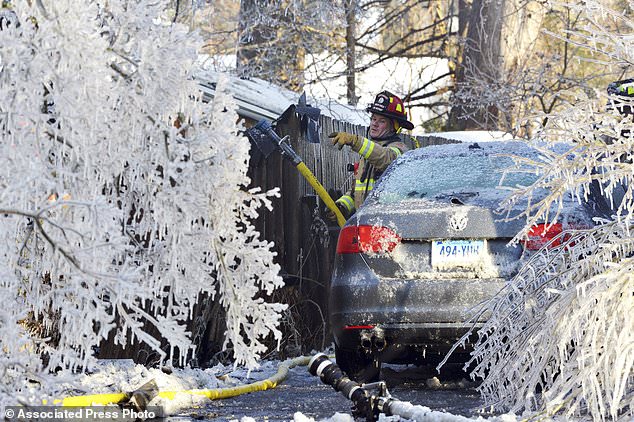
<point x="211" y="394"/>
<point x="321" y="192"/>
<point x="265" y="138"/>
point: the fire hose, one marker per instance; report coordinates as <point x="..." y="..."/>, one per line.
<point x="140" y="398"/>
<point x="370" y="400"/>
<point x="263" y="135"/>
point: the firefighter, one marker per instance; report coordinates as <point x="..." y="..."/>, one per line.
<point x="621" y="96"/>
<point x="377" y="151"/>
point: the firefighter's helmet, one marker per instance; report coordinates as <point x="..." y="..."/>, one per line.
<point x="389" y="105"/>
<point x="621" y="95"/>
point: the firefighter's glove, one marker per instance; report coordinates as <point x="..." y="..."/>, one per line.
<point x="332" y="217"/>
<point x="345" y="205"/>
<point x="341" y="139"/>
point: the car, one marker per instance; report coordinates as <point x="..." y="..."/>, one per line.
<point x="428" y="246"/>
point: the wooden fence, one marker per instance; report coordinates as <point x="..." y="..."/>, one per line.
<point x="304" y="239"/>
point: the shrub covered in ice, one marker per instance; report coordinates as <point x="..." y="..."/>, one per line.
<point x="122" y="195"/>
<point x="561" y="333"/>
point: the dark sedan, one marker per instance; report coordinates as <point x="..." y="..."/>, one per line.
<point x="424" y="250"/>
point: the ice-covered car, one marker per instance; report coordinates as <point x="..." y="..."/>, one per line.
<point x="427" y="247"/>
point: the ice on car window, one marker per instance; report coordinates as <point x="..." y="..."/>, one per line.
<point x="456" y="170"/>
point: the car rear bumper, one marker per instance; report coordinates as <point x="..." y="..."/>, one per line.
<point x="414" y="301"/>
<point x="406" y="313"/>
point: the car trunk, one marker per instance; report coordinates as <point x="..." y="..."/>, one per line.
<point x="445" y="240"/>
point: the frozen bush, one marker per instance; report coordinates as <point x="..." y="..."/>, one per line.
<point x="123" y="196"/>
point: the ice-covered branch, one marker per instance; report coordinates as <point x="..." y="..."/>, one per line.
<point x="560" y="339"/>
<point x="143" y="222"/>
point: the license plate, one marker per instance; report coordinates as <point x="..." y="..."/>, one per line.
<point x="456" y="253"/>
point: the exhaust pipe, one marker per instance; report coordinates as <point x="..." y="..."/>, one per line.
<point x="372" y="341"/>
<point x="378" y="343"/>
<point x="366" y="342"/>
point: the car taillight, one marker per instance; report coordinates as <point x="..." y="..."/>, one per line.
<point x="541" y="234"/>
<point x="358" y="327"/>
<point x="364" y="239"/>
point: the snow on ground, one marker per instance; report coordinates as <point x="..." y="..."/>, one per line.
<point x="116" y="375"/>
<point x="111" y="376"/>
<point x="123" y="375"/>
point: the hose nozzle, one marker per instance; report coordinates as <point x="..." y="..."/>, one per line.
<point x="329" y="373"/>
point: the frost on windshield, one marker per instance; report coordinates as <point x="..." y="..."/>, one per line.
<point x="442" y="171"/>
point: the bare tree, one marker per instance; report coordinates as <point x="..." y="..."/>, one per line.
<point x="351" y="56"/>
<point x="481" y="60"/>
<point x="537" y="66"/>
<point x="273" y="38"/>
<point x="499" y="68"/>
<point x="412" y="29"/>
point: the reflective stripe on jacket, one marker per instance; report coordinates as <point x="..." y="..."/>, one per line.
<point x="376" y="156"/>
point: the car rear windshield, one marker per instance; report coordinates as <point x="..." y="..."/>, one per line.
<point x="435" y="176"/>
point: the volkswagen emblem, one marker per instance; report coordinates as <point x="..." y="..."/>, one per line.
<point x="458" y="222"/>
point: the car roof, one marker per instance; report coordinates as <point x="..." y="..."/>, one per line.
<point x="515" y="147"/>
<point x="467" y="136"/>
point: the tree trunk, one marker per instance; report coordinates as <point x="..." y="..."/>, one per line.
<point x="350" y="6"/>
<point x="248" y="39"/>
<point x="522" y="26"/>
<point x="183" y="12"/>
<point x="481" y="63"/>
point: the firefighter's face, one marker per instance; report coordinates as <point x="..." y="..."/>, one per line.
<point x="380" y="126"/>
